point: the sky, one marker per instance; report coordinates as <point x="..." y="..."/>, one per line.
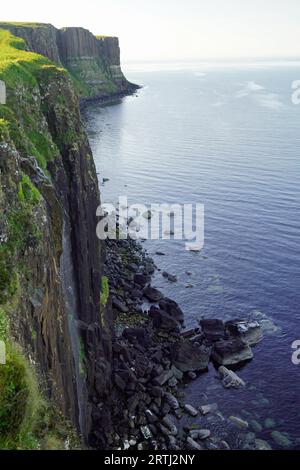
<point x="175" y="30"/>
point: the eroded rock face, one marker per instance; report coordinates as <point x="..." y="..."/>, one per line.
<point x="56" y="314"/>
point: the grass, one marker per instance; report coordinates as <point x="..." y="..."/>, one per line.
<point x="104" y="291"/>
<point x="20" y="118"/>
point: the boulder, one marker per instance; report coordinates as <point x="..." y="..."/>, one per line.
<point x="142" y="279"/>
<point x="200" y="434"/>
<point x="230" y="352"/>
<point x="247" y="331"/>
<point x="172" y="308"/>
<point x="118" y="305"/>
<point x="191" y="410"/>
<point x="171" y="400"/>
<point x="152" y="294"/>
<point x="163" y="321"/>
<point x="188" y="357"/>
<point x="240" y="423"/>
<point x="213" y="329"/>
<point x="193" y="445"/>
<point x="205" y="409"/>
<point x="230" y="378"/>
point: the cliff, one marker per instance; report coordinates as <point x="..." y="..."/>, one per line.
<point x="92" y="61"/>
<point x="52" y="315"/>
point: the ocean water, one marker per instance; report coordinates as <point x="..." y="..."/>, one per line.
<point x="228" y="137"/>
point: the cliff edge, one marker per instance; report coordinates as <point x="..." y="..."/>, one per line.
<point x="54" y="315"/>
<point x="92" y="61"/>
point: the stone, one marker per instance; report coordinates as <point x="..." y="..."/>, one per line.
<point x="231" y="352"/>
<point x="152" y="294"/>
<point x="192" y="444"/>
<point x="191" y="410"/>
<point x="147" y="215"/>
<point x="163" y="321"/>
<point x="281" y="439"/>
<point x="255" y="425"/>
<point x="171" y="400"/>
<point x="230" y="378"/>
<point x="205" y="409"/>
<point x="247" y="331"/>
<point x="201" y="434"/>
<point x="240" y="423"/>
<point x="169" y="424"/>
<point x="269" y="423"/>
<point x="170" y="277"/>
<point x="189" y="357"/>
<point x="192" y="375"/>
<point x="120" y="382"/>
<point x="142" y="279"/>
<point x="262" y="445"/>
<point x="118" y="305"/>
<point x="172" y="308"/>
<point x="213" y="329"/>
<point x="163" y="377"/>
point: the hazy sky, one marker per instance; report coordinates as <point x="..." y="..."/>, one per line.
<point x="176" y="29"/>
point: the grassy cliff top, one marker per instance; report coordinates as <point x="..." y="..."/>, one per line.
<point x="24" y="25"/>
<point x="15" y="62"/>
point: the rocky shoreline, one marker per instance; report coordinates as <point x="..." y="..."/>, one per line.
<point x="154" y="356"/>
<point x="106" y="99"/>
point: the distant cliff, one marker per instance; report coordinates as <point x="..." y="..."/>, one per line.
<point x="92" y="61"/>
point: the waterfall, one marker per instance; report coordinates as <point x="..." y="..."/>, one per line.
<point x="71" y="302"/>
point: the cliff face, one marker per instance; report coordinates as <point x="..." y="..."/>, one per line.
<point x="93" y="61"/>
<point x="50" y="258"/>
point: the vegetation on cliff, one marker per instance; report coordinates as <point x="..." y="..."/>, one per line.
<point x="27" y="419"/>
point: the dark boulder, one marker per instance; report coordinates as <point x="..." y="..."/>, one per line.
<point x="188" y="357"/>
<point x="152" y="294"/>
<point x="231" y="352"/>
<point x="247" y="331"/>
<point x="172" y="308"/>
<point x="213" y="329"/>
<point x="163" y="321"/>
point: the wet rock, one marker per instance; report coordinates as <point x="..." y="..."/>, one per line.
<point x="193" y="445"/>
<point x="206" y="409"/>
<point x="163" y="377"/>
<point x="230" y="352"/>
<point x="192" y="375"/>
<point x="189" y="357"/>
<point x="230" y="378"/>
<point x="224" y="445"/>
<point x="269" y="423"/>
<point x="163" y="321"/>
<point x="201" y="434"/>
<point x="262" y="445"/>
<point x="142" y="279"/>
<point x="170" y="277"/>
<point x="255" y="425"/>
<point x="152" y="294"/>
<point x="118" y="305"/>
<point x="160" y="253"/>
<point x="171" y="400"/>
<point x="120" y="382"/>
<point x="240" y="423"/>
<point x="151" y="417"/>
<point x="213" y="329"/>
<point x="247" y="331"/>
<point x="169" y="424"/>
<point x="281" y="439"/>
<point x="191" y="410"/>
<point x="172" y="308"/>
